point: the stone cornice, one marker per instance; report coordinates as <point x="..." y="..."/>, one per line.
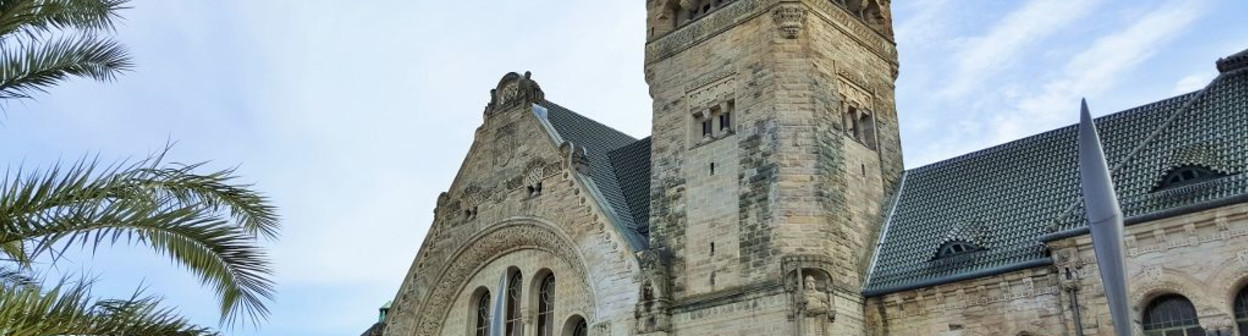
<point x="741" y="11"/>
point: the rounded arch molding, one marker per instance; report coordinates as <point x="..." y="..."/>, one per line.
<point x="1154" y="282"/>
<point x="499" y="239"/>
<point x="1232" y="276"/>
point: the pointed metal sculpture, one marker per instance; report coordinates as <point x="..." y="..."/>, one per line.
<point x="500" y="303"/>
<point x="1104" y="221"/>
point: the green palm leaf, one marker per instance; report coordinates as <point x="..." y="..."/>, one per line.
<point x="42" y="65"/>
<point x="35" y="17"/>
<point x="202" y="222"/>
<point x="69" y="309"/>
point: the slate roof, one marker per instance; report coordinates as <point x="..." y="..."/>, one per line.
<point x="375" y="330"/>
<point x="1010" y="198"/>
<point x="619" y="166"/>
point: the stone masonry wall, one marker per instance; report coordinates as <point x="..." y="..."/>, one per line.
<point x="802" y="188"/>
<point x="490" y="220"/>
<point x="1202" y="256"/>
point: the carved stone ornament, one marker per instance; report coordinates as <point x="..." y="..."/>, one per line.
<point x="504" y="144"/>
<point x="513" y="91"/>
<point x="789" y="18"/>
<point x="504" y="238"/>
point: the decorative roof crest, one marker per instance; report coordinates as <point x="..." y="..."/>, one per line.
<point x="514" y="90"/>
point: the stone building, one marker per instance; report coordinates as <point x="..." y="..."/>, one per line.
<point x="771" y="199"/>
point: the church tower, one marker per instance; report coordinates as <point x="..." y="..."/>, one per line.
<point x="775" y="146"/>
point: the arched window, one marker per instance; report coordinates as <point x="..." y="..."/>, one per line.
<point x="956" y="247"/>
<point x="1171" y="315"/>
<point x="483" y="314"/>
<point x="580" y="328"/>
<point x="546" y="306"/>
<point x="1241" y="311"/>
<point x="1187" y="175"/>
<point x="514" y="327"/>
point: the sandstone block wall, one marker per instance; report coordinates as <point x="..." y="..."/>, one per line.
<point x="490" y="220"/>
<point x="1202" y="256"/>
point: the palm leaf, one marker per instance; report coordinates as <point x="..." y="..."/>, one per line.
<point x="35" y="17"/>
<point x="41" y="65"/>
<point x="202" y="222"/>
<point x="69" y="309"/>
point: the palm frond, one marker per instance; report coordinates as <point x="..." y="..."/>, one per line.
<point x="35" y="17"/>
<point x="201" y="222"/>
<point x="16" y="277"/>
<point x="68" y="308"/>
<point x="35" y="68"/>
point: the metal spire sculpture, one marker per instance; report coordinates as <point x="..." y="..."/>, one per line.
<point x="500" y="302"/>
<point x="1104" y="221"/>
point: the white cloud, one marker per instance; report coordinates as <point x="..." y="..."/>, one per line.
<point x="1193" y="82"/>
<point x="987" y="55"/>
<point x="1096" y="70"/>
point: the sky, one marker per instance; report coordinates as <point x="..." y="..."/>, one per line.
<point x="354" y="115"/>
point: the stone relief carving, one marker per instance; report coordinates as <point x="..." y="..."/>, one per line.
<point x="504" y="144"/>
<point x="711" y="94"/>
<point x="503" y="238"/>
<point x="853" y="95"/>
<point x="789" y="18"/>
<point x="512" y="91"/>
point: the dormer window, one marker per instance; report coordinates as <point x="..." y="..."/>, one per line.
<point x="955" y="248"/>
<point x="1187" y="175"/>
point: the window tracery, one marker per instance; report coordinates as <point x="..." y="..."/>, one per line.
<point x="955" y="248"/>
<point x="482" y="311"/>
<point x="1187" y="175"/>
<point x="513" y="324"/>
<point x="546" y="306"/>
<point x="1171" y="315"/>
<point x="1241" y="311"/>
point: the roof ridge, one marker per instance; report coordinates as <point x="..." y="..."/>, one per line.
<point x="582" y="116"/>
<point x="1044" y="135"/>
<point x="1135" y="151"/>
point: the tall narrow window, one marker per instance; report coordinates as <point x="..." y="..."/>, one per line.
<point x="483" y="314"/>
<point x="514" y="326"/>
<point x="1241" y="311"/>
<point x="546" y="307"/>
<point x="706" y="128"/>
<point x="1171" y="315"/>
<point x="580" y="329"/>
<point x="725" y="121"/>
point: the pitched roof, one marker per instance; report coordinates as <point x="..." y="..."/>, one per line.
<point x="375" y="330"/>
<point x="1017" y="195"/>
<point x="619" y="167"/>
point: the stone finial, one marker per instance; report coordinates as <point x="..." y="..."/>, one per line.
<point x="1233" y="62"/>
<point x="512" y="91"/>
<point x="576" y="157"/>
<point x="789" y="17"/>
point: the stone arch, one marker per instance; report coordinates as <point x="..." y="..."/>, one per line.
<point x="571" y="323"/>
<point x="533" y="292"/>
<point x="473" y="308"/>
<point x="482" y="248"/>
<point x="1155" y="281"/>
<point x="1232" y="276"/>
<point x="1016" y="331"/>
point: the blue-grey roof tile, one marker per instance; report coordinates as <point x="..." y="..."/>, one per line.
<point x="1016" y="193"/>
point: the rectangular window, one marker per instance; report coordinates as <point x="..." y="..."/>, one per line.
<point x="706" y="128"/>
<point x="725" y="121"/>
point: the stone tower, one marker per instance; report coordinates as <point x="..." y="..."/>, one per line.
<point x="775" y="146"/>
